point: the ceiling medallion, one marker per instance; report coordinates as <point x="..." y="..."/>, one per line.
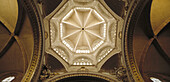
<point x="82" y="34"/>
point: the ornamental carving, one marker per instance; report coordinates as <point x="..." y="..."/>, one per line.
<point x="83" y="31"/>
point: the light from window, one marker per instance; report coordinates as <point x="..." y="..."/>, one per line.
<point x="155" y="79"/>
<point x="8" y="79"/>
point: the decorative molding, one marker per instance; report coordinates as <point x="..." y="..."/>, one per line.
<point x="121" y="74"/>
<point x="83" y="74"/>
<point x="34" y="66"/>
<point x="133" y="14"/>
<point x="46" y="73"/>
<point x="82" y="61"/>
<point x="62" y="53"/>
<point x="103" y="53"/>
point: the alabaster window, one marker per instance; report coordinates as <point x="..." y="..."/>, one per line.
<point x="155" y="79"/>
<point x="8" y="79"/>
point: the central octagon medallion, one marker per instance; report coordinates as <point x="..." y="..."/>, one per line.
<point x="82" y="34"/>
<point x="82" y="30"/>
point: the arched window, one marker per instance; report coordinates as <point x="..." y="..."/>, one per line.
<point x="155" y="79"/>
<point x="8" y="79"/>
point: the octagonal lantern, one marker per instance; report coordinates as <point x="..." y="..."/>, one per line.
<point x="81" y="34"/>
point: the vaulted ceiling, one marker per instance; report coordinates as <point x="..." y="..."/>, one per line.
<point x="84" y="40"/>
